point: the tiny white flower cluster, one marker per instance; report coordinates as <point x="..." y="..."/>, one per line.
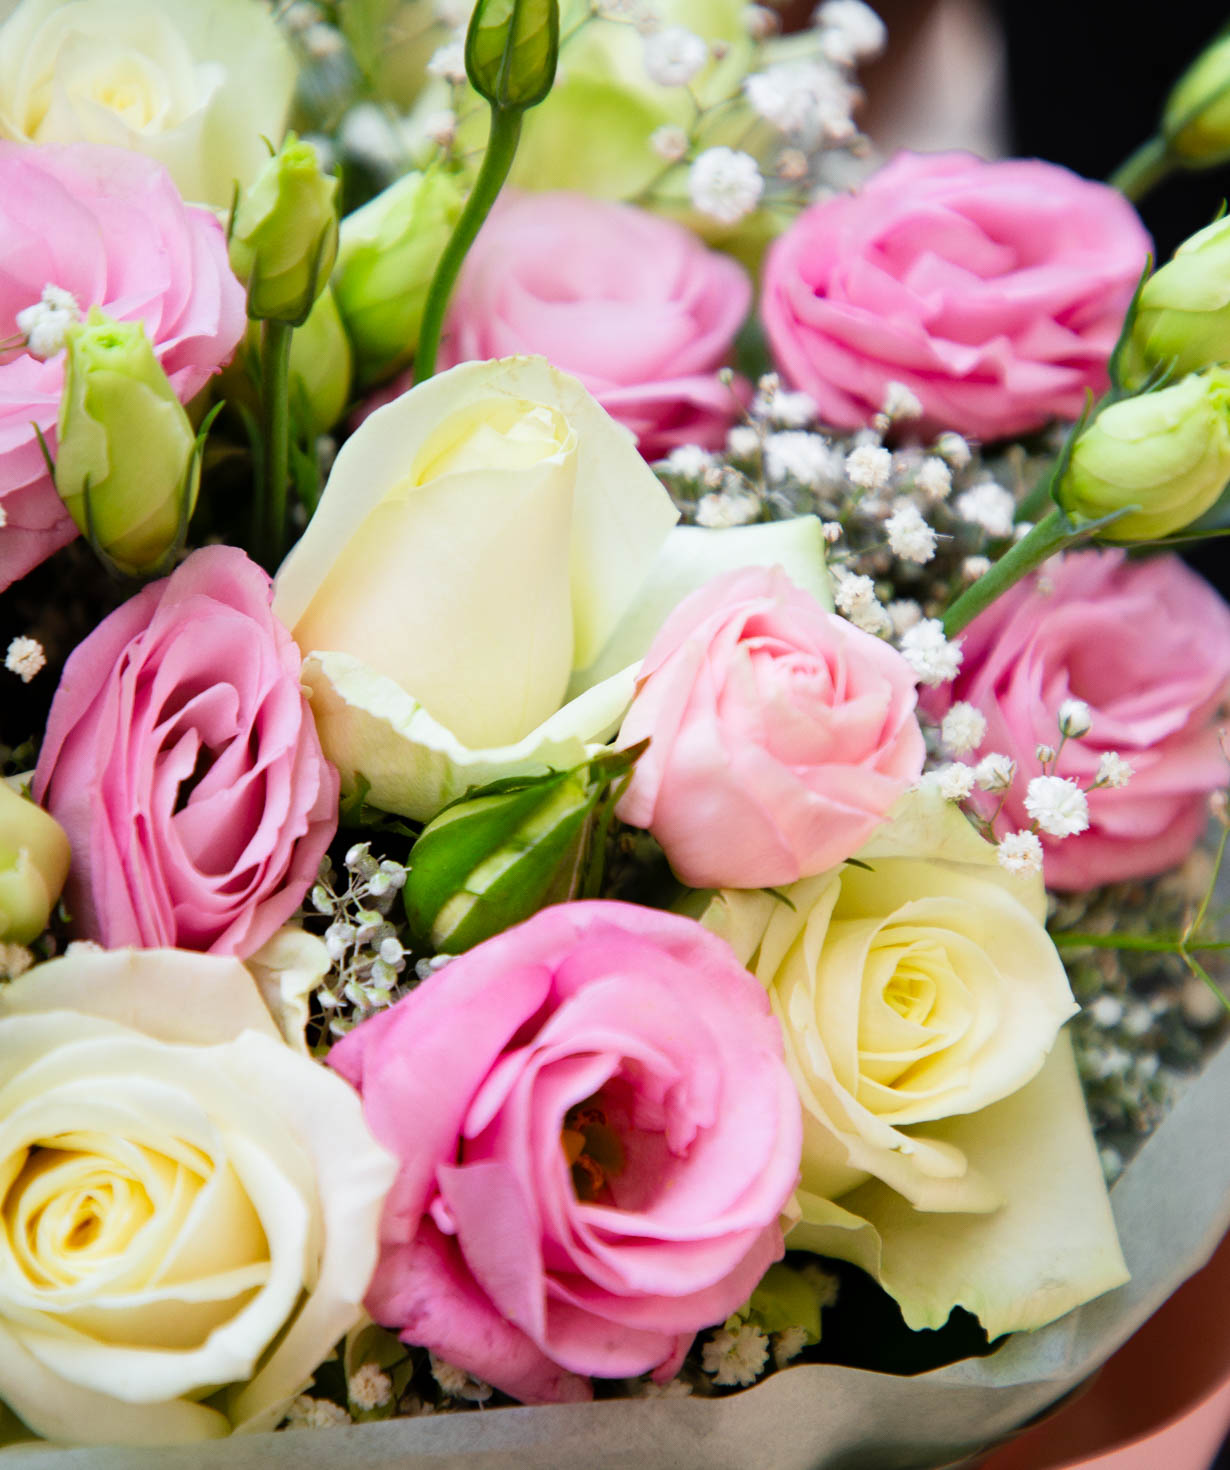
<point x="674" y="56"/>
<point x="854" y="595"/>
<point x="735" y="1357"/>
<point x="25" y="658"/>
<point x="362" y="942"/>
<point x="934" y="658"/>
<point x="369" y="1387"/>
<point x="306" y="1412"/>
<point x="45" y="324"/>
<point x="726" y="184"/>
<point x="808" y="101"/>
<point x="457" y="1383"/>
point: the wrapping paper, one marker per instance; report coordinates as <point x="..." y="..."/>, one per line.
<point x="1172" y="1206"/>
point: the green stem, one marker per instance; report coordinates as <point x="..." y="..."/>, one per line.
<point x="1051" y="534"/>
<point x="1138" y="174"/>
<point x="275" y="409"/>
<point x="1149" y="944"/>
<point x="501" y="146"/>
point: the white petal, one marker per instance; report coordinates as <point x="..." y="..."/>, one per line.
<point x="374" y="730"/>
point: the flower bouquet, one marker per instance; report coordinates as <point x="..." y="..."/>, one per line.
<point x="614" y="798"/>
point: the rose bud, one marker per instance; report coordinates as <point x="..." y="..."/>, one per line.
<point x="34" y="858"/>
<point x="128" y="461"/>
<point x="284" y="235"/>
<point x="385" y="261"/>
<point x="1164" y="456"/>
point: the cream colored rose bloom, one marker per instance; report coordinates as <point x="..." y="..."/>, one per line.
<point x="946" y="1146"/>
<point x="195" y="84"/>
<point x="490" y="558"/>
<point x="190" y="1208"/>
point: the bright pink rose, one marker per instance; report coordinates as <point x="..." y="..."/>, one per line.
<point x="1147" y="646"/>
<point x="106" y="225"/>
<point x="182" y="761"/>
<point x="780" y="734"/>
<point x="635" y="306"/>
<point x="993" y="291"/>
<point x="597" y="1133"/>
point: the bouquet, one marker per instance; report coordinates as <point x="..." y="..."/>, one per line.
<point x="615" y="800"/>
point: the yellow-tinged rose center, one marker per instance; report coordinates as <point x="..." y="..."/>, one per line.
<point x="498" y="434"/>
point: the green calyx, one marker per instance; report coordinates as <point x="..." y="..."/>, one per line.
<point x="494" y="858"/>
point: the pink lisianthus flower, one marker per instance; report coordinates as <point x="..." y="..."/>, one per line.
<point x="106" y="226"/>
<point x="1146" y="645"/>
<point x="635" y="306"/>
<point x="182" y="761"/>
<point x="597" y="1133"/>
<point x="993" y="291"/>
<point x="780" y="734"/>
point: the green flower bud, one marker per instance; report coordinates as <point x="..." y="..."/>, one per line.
<point x="388" y="252"/>
<point x="1183" y="315"/>
<point x="34" y="857"/>
<point x="1167" y="453"/>
<point x="511" y="50"/>
<point x="321" y="368"/>
<point x="1196" y="118"/>
<point x="284" y="235"/>
<point x="788" y="1297"/>
<point x="493" y="859"/>
<point x="127" y="466"/>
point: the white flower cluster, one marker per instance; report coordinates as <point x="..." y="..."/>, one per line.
<point x="362" y="942"/>
<point x="45" y="324"/>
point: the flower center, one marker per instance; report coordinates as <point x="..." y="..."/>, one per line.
<point x="592" y="1148"/>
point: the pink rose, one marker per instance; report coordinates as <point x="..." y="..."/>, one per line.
<point x="780" y="734"/>
<point x="107" y="226"/>
<point x="597" y="1133"/>
<point x="182" y="761"/>
<point x="633" y="305"/>
<point x="1147" y="646"/>
<point x="994" y="291"/>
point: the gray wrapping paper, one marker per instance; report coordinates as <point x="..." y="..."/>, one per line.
<point x="1172" y="1206"/>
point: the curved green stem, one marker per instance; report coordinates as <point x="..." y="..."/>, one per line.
<point x="1052" y="533"/>
<point x="501" y="147"/>
<point x="1143" y="170"/>
<point x="275" y="412"/>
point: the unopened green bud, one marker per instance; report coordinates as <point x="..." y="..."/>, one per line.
<point x="284" y="235"/>
<point x="511" y="50"/>
<point x="34" y="856"/>
<point x="388" y="253"/>
<point x="1196" y="118"/>
<point x="1183" y="316"/>
<point x="494" y="858"/>
<point x="788" y="1297"/>
<point x="127" y="466"/>
<point x="1166" y="453"/>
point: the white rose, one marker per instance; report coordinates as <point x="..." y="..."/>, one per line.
<point x="195" y="84"/>
<point x="490" y="558"/>
<point x="946" y="1147"/>
<point x="191" y="1209"/>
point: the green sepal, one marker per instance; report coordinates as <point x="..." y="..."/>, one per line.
<point x="498" y="855"/>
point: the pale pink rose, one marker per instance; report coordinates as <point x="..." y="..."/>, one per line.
<point x="106" y="225"/>
<point x="780" y="734"/>
<point x="1146" y="644"/>
<point x="635" y="306"/>
<point x="182" y="761"/>
<point x="994" y="291"/>
<point x="504" y="1252"/>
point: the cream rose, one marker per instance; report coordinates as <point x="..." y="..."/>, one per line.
<point x="190" y="1208"/>
<point x="946" y="1146"/>
<point x="195" y="84"/>
<point x="490" y="558"/>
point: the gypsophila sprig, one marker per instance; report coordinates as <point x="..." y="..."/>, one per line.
<point x="1057" y="805"/>
<point x="363" y="937"/>
<point x="735" y="1356"/>
<point x="963" y="728"/>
